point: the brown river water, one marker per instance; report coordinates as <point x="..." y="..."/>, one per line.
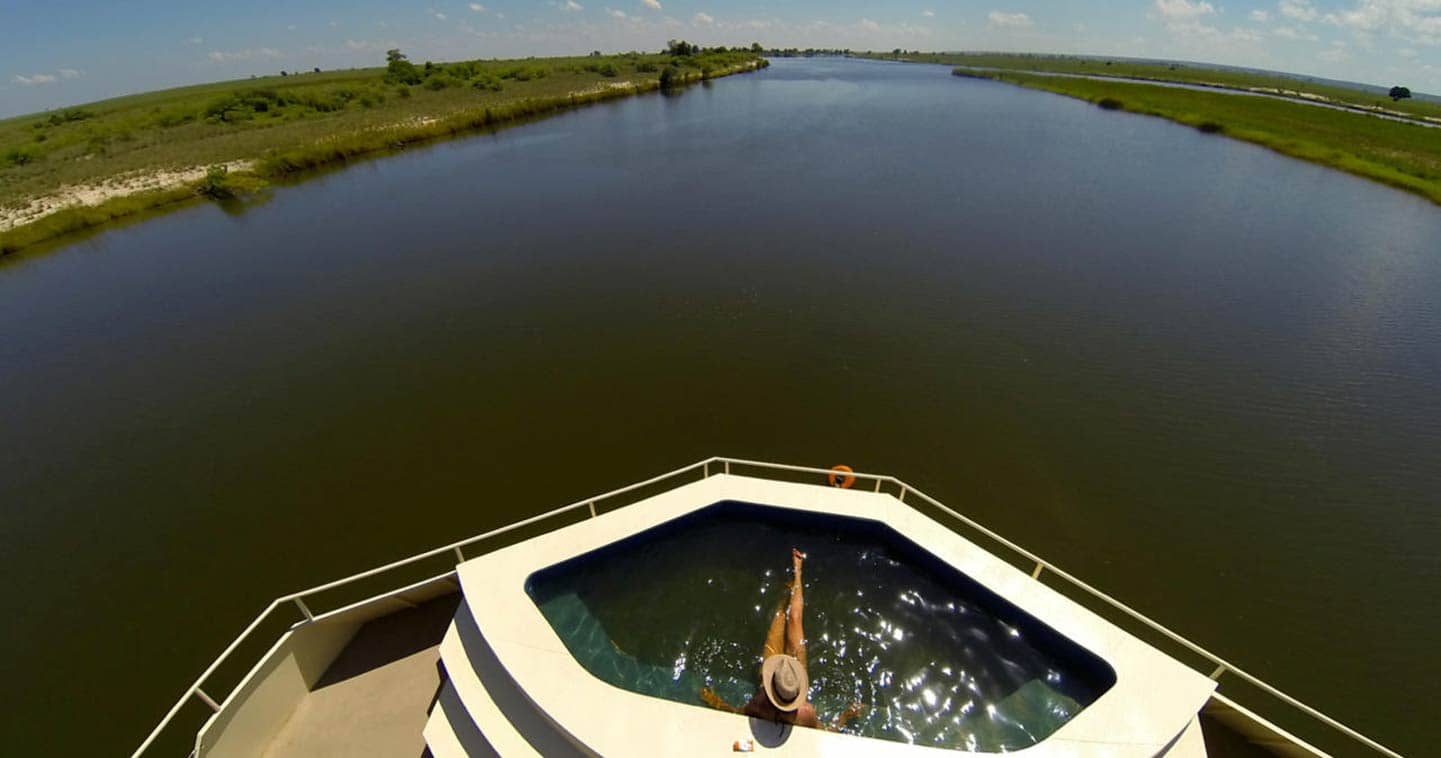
<point x="1203" y="377"/>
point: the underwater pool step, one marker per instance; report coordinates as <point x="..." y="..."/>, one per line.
<point x="508" y="719"/>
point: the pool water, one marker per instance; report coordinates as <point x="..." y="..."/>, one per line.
<point x="936" y="658"/>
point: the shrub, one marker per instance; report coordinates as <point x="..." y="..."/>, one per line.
<point x="1211" y="127"/>
<point x="608" y="70"/>
<point x="67" y="116"/>
<point x="399" y="70"/>
<point x="19" y="156"/>
<point x="216" y="184"/>
<point x="646" y="67"/>
<point x="486" y="82"/>
<point x="174" y="118"/>
<point x="670" y="77"/>
<point x="1111" y="104"/>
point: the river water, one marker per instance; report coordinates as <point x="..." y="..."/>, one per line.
<point x="1202" y="376"/>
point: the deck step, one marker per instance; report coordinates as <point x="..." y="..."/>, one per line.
<point x="1190" y="743"/>
<point x="450" y="732"/>
<point x="490" y="698"/>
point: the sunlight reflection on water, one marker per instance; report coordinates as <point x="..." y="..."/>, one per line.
<point x="932" y="664"/>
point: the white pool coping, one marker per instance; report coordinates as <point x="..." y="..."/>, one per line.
<point x="1154" y="699"/>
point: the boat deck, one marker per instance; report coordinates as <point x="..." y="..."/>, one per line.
<point x="375" y="697"/>
<point x="418" y="671"/>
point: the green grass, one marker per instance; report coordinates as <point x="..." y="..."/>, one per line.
<point x="1183" y="73"/>
<point x="1402" y="155"/>
<point x="302" y="121"/>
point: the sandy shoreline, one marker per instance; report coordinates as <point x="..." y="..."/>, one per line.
<point x="95" y="193"/>
<point x="133" y="182"/>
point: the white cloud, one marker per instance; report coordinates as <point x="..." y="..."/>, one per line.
<point x="1406" y="52"/>
<point x="253" y="54"/>
<point x="703" y="19"/>
<point x="196" y="40"/>
<point x="1301" y="10"/>
<point x="33" y="80"/>
<point x="613" y="13"/>
<point x="572" y="5"/>
<point x="652" y="4"/>
<point x="70" y="73"/>
<point x="928" y="14"/>
<point x="1414" y="20"/>
<point x="1337" y="53"/>
<point x="1186" y="22"/>
<point x="477" y="7"/>
<point x="437" y="14"/>
<point x="1260" y="16"/>
<point x="1291" y="32"/>
<point x="1184" y="10"/>
<point x="868" y="25"/>
<point x="1001" y="20"/>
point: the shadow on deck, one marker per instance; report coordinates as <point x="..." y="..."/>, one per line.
<point x="374" y="697"/>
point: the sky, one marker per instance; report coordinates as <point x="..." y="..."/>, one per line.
<point x="55" y="53"/>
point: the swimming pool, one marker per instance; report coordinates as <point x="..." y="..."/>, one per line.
<point x="937" y="658"/>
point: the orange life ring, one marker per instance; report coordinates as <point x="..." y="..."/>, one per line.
<point x="842" y="476"/>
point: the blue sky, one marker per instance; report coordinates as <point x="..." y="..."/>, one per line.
<point x="63" y="52"/>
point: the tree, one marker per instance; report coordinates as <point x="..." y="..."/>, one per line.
<point x="1400" y="93"/>
<point x="755" y="47"/>
<point x="399" y="69"/>
<point x="680" y="47"/>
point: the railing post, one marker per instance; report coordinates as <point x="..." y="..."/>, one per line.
<point x="902" y="496"/>
<point x="1037" y="573"/>
<point x="705" y="470"/>
<point x="459" y="556"/>
<point x="1216" y="675"/>
<point x="878" y="484"/>
<point x="592" y="509"/>
<point x="305" y="610"/>
<point x="214" y="706"/>
<point x="728" y="467"/>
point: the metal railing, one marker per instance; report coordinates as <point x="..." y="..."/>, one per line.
<point x="724" y="466"/>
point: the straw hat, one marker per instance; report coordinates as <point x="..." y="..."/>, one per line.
<point x="784" y="680"/>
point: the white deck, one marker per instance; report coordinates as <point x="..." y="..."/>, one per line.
<point x="1147" y="712"/>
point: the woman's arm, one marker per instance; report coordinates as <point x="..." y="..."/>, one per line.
<point x="854" y="711"/>
<point x="716" y="701"/>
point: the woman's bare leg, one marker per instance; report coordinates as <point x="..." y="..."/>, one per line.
<point x="795" y="632"/>
<point x="775" y="638"/>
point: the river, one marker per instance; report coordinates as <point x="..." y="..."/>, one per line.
<point x="1202" y="376"/>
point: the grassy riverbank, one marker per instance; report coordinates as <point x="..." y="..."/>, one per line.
<point x="1300" y="88"/>
<point x="76" y="168"/>
<point x="1402" y="155"/>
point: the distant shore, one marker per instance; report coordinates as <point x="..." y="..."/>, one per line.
<point x="80" y="168"/>
<point x="1402" y="155"/>
<point x="1357" y="131"/>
